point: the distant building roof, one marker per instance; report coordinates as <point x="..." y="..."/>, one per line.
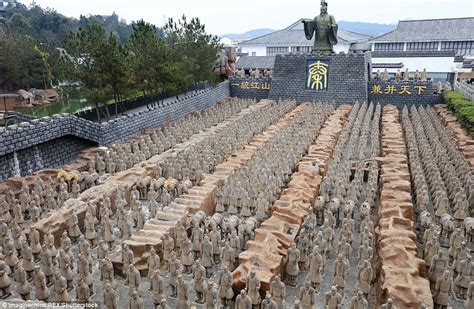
<point x="294" y="36"/>
<point x="397" y="65"/>
<point x="360" y="47"/>
<point x="468" y="64"/>
<point x="413" y="54"/>
<point x="252" y="62"/>
<point x="450" y="29"/>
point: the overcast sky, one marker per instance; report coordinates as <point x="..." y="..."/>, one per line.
<point x="228" y="16"/>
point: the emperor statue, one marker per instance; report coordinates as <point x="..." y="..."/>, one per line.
<point x="325" y="28"/>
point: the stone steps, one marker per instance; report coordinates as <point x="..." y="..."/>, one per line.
<point x="201" y="198"/>
<point x="56" y="222"/>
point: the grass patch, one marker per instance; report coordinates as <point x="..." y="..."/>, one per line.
<point x="462" y="107"/>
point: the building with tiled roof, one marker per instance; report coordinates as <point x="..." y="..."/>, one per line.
<point x="443" y="46"/>
<point x="293" y="40"/>
<point x="451" y="34"/>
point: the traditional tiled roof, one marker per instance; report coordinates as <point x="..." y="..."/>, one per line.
<point x="252" y="62"/>
<point x="412" y="54"/>
<point x="450" y="29"/>
<point x="397" y="65"/>
<point x="468" y="64"/>
<point x="294" y="36"/>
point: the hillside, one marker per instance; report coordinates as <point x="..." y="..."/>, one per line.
<point x="49" y="26"/>
<point x="249" y="34"/>
<point x="369" y="29"/>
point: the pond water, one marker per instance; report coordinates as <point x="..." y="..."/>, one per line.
<point x="71" y="106"/>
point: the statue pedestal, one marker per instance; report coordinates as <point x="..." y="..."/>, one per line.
<point x="339" y="78"/>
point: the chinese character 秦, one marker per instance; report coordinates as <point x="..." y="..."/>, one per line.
<point x="390" y="89"/>
<point x="266" y="86"/>
<point x="255" y="85"/>
<point x="318" y="76"/>
<point x="420" y="89"/>
<point x="376" y="89"/>
<point x="405" y="90"/>
<point x="245" y="85"/>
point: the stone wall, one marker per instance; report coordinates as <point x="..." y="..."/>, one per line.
<point x="250" y="88"/>
<point x="404" y="93"/>
<point x="348" y="75"/>
<point x="127" y="105"/>
<point x="121" y="128"/>
<point x="66" y="130"/>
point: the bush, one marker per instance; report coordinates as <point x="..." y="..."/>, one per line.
<point x="462" y="107"/>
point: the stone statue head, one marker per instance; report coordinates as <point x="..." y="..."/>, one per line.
<point x="324" y="8"/>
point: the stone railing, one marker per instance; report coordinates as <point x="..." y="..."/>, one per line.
<point x="465" y="89"/>
<point x="17" y="116"/>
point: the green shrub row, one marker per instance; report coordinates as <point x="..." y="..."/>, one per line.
<point x="462" y="107"/>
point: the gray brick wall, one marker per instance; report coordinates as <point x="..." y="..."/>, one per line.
<point x="348" y="78"/>
<point x="426" y="97"/>
<point x="52" y="154"/>
<point x="238" y="88"/>
<point x="42" y="136"/>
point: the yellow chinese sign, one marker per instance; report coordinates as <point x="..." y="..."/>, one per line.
<point x="317" y="75"/>
<point x="247" y="85"/>
<point x="398" y="89"/>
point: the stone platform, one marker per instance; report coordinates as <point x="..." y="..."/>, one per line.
<point x="347" y="78"/>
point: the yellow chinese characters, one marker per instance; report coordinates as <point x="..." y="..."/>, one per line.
<point x="420" y="89"/>
<point x="245" y="85"/>
<point x="390" y="89"/>
<point x="255" y="85"/>
<point x="405" y="90"/>
<point x="395" y="89"/>
<point x="318" y="76"/>
<point x="376" y="89"/>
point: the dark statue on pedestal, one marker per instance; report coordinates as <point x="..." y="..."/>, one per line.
<point x="325" y="28"/>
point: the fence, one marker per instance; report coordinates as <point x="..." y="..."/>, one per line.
<point x="465" y="89"/>
<point x="123" y="106"/>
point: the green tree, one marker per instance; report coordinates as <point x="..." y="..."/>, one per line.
<point x="153" y="66"/>
<point x="117" y="70"/>
<point x="94" y="58"/>
<point x="23" y="63"/>
<point x="193" y="48"/>
<point x="20" y="24"/>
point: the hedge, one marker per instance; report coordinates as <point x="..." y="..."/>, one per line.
<point x="462" y="107"/>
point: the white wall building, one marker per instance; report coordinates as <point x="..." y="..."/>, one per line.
<point x="293" y="40"/>
<point x="439" y="45"/>
<point x="445" y="47"/>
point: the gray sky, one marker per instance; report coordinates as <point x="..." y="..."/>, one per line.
<point x="224" y="16"/>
